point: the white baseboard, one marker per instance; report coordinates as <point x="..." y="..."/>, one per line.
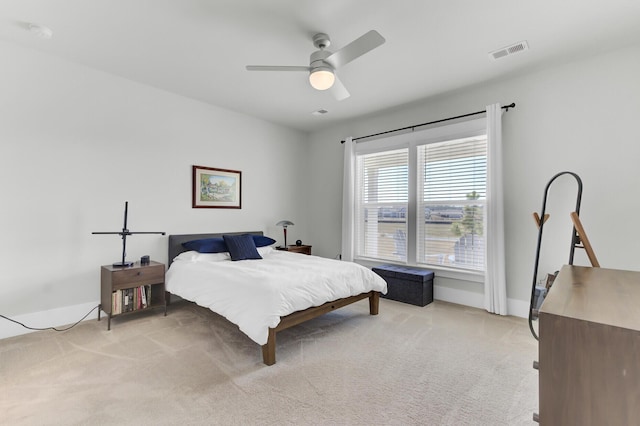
<point x="59" y="318"/>
<point x="70" y="314"/>
<point x="460" y="297"/>
<point x="518" y="308"/>
<point x="515" y="307"/>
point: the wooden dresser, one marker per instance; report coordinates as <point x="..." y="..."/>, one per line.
<point x="589" y="349"/>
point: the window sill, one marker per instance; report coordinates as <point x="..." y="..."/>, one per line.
<point x="455" y="274"/>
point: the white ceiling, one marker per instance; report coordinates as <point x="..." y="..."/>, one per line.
<point x="199" y="48"/>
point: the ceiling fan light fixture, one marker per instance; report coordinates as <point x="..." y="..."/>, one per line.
<point x="322" y="63"/>
<point x="322" y="78"/>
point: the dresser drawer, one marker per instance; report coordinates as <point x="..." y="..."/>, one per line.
<point x="144" y="275"/>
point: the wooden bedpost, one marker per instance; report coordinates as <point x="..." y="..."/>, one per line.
<point x="269" y="350"/>
<point x="374" y="303"/>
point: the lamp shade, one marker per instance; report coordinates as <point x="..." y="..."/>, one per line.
<point x="322" y="78"/>
<point x="284" y="223"/>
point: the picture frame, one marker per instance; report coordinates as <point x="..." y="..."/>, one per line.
<point x="216" y="188"/>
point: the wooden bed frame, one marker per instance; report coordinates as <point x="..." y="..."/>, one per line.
<point x="269" y="350"/>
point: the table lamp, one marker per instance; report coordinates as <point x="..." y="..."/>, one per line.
<point x="284" y="224"/>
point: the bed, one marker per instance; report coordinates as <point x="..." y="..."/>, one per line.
<point x="263" y="297"/>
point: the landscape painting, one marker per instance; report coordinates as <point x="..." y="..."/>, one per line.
<point x="216" y="188"/>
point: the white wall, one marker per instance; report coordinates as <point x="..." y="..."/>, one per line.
<point x="77" y="143"/>
<point x="580" y="116"/>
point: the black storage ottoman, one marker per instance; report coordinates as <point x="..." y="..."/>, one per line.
<point x="408" y="285"/>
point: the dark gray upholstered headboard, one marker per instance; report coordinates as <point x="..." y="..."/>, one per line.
<point x="175" y="241"/>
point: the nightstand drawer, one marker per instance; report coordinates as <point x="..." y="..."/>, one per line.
<point x="143" y="275"/>
<point x="303" y="249"/>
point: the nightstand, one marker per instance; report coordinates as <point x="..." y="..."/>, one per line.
<point x="303" y="249"/>
<point x="131" y="289"/>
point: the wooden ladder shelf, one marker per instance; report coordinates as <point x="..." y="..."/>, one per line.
<point x="583" y="241"/>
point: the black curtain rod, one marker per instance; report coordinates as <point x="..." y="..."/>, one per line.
<point x="506" y="108"/>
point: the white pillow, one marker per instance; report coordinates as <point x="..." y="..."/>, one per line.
<point x="187" y="256"/>
<point x="213" y="257"/>
<point x="194" y="256"/>
<point x="262" y="251"/>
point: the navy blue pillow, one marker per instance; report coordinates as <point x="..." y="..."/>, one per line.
<point x="262" y="241"/>
<point x="241" y="247"/>
<point x="207" y="245"/>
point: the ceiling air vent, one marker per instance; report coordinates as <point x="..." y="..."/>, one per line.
<point x="509" y="50"/>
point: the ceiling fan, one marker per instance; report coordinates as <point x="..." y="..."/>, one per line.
<point x="323" y="63"/>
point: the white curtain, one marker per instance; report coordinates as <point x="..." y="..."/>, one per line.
<point x="495" y="283"/>
<point x="348" y="199"/>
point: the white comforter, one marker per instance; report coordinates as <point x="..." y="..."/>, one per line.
<point x="254" y="294"/>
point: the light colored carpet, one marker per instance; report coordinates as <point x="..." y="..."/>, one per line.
<point x="439" y="365"/>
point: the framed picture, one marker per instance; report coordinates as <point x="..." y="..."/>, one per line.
<point x="216" y="188"/>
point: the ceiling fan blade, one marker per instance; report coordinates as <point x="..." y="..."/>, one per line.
<point x="276" y="68"/>
<point x="355" y="49"/>
<point x="338" y="90"/>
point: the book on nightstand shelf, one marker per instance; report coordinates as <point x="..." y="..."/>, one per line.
<point x="130" y="299"/>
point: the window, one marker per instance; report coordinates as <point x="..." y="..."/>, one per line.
<point x="452" y="181"/>
<point x="382" y="201"/>
<point x="420" y="198"/>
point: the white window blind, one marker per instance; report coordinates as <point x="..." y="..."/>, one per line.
<point x="452" y="178"/>
<point x="382" y="195"/>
